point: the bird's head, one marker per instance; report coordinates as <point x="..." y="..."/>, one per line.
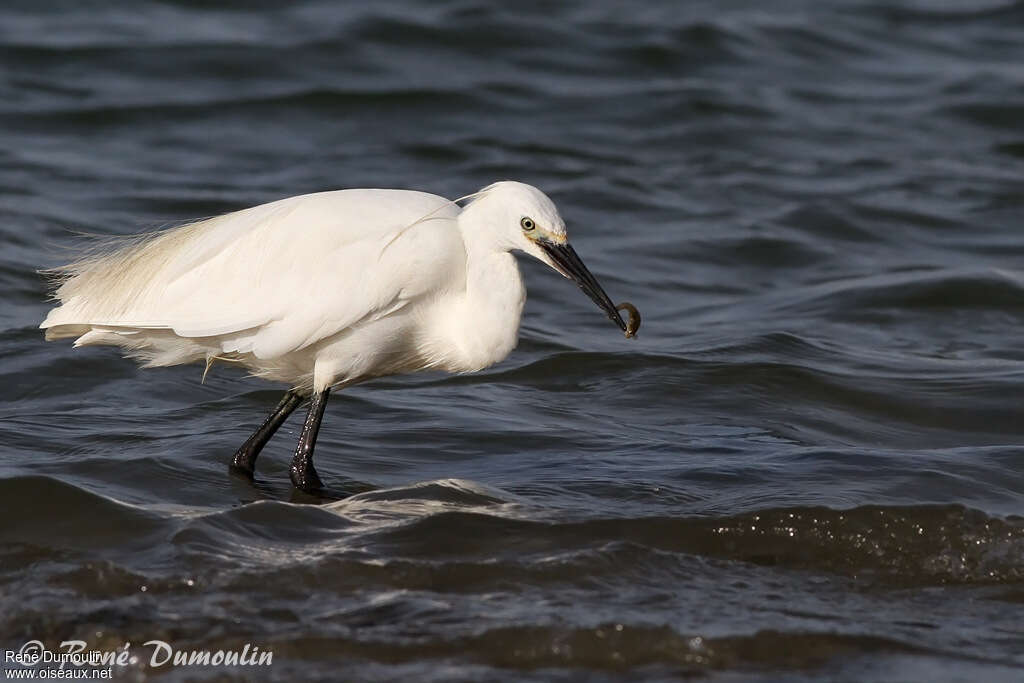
<point x="523" y="218"/>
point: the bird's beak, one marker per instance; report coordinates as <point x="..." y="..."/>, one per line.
<point x="568" y="263"/>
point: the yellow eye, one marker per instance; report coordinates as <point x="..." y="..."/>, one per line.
<point x="527" y="224"/>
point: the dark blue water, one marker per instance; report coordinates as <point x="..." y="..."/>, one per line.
<point x="809" y="466"/>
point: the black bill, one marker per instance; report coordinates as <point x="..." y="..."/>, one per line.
<point x="569" y="263"/>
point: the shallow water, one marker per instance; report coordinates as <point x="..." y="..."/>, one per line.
<point x="808" y="466"/>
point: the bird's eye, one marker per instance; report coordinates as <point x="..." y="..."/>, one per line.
<point x="527" y="223"/>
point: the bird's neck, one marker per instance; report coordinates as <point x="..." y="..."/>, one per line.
<point x="493" y="304"/>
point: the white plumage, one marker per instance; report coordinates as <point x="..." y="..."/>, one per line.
<point x="324" y="290"/>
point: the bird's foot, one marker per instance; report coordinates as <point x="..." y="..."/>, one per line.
<point x="305" y="478"/>
<point x="243" y="464"/>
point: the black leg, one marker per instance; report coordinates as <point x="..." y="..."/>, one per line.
<point x="304" y="476"/>
<point x="244" y="461"/>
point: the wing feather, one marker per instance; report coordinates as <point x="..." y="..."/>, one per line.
<point x="271" y="279"/>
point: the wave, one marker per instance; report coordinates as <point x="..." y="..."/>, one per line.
<point x="616" y="647"/>
<point x="907" y="546"/>
<point x="308" y="100"/>
<point x="453" y="521"/>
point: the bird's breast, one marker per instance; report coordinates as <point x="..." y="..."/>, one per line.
<point x="475" y="328"/>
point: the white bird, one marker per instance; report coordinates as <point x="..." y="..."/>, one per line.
<point x="323" y="291"/>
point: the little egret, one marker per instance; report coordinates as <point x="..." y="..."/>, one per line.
<point x="323" y="291"/>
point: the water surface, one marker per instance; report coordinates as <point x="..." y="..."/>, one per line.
<point x="809" y="466"/>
